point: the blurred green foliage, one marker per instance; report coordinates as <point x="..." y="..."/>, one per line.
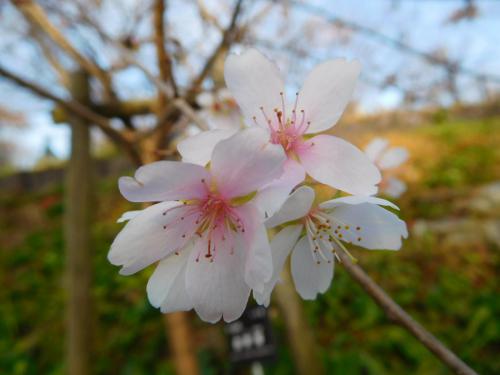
<point x="452" y="290"/>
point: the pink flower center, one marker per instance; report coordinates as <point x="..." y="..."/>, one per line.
<point x="213" y="218"/>
<point x="286" y="129"/>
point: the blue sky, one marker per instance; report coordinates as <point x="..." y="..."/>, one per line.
<point x="421" y="24"/>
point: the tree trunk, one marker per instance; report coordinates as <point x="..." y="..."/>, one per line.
<point x="304" y="349"/>
<point x="180" y="338"/>
<point x="77" y="236"/>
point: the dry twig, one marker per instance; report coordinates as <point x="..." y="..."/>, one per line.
<point x="36" y="16"/>
<point x="400" y="316"/>
<point x="225" y="43"/>
<point x="79" y="110"/>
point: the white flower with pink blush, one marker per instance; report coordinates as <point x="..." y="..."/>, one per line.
<point x="207" y="232"/>
<point x="259" y="89"/>
<point x="220" y="110"/>
<point x="388" y="159"/>
<point x="313" y="234"/>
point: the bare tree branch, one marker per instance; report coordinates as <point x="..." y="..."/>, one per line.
<point x="395" y="43"/>
<point x="36" y="16"/>
<point x="79" y="110"/>
<point x="164" y="61"/>
<point x="185" y="108"/>
<point x="62" y="74"/>
<point x="225" y="43"/>
<point x="207" y="16"/>
<point x="400" y="316"/>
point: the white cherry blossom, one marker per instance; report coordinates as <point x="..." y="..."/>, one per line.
<point x="206" y="231"/>
<point x="315" y="233"/>
<point x="259" y="89"/>
<point x="220" y="110"/>
<point x="387" y="159"/>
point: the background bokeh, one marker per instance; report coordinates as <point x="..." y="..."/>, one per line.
<point x="430" y="83"/>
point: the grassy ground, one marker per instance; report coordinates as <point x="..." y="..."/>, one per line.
<point x="450" y="287"/>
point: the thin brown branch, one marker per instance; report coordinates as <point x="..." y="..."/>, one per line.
<point x="170" y="111"/>
<point x="400" y="316"/>
<point x="392" y="42"/>
<point x="225" y="43"/>
<point x="207" y="16"/>
<point x="169" y="115"/>
<point x="188" y="111"/>
<point x="164" y="61"/>
<point x="80" y="110"/>
<point x="36" y="16"/>
<point x="58" y="68"/>
<point x="124" y="109"/>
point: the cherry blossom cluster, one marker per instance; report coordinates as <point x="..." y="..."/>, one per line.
<point x="242" y="200"/>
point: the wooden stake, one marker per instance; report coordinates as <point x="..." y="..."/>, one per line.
<point x="77" y="236"/>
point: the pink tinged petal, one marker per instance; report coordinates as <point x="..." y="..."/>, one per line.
<point x="165" y="180"/>
<point x="281" y="246"/>
<point x="378" y="227"/>
<point x="151" y="236"/>
<point x="326" y="92"/>
<point x="274" y="194"/>
<point x="223" y="121"/>
<point x="126" y="216"/>
<point x="296" y="206"/>
<point x="217" y="288"/>
<point x="255" y="82"/>
<point x="339" y="164"/>
<point x="166" y="286"/>
<point x="309" y="277"/>
<point x="198" y="148"/>
<point x="356" y="199"/>
<point x="394" y="187"/>
<point x="206" y="99"/>
<point x="375" y="148"/>
<point x="246" y="162"/>
<point x="178" y="299"/>
<point x="258" y="258"/>
<point x="393" y="158"/>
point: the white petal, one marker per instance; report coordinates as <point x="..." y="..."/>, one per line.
<point x="310" y="278"/>
<point x="224" y="121"/>
<point x="394" y="187"/>
<point x="178" y="299"/>
<point x="144" y="240"/>
<point x="326" y="92"/>
<point x="166" y="286"/>
<point x="393" y="158"/>
<point x="205" y="99"/>
<point x="281" y="245"/>
<point x="258" y="259"/>
<point x="378" y="227"/>
<point x="126" y="216"/>
<point x="255" y="82"/>
<point x="296" y="206"/>
<point x="339" y="164"/>
<point x="198" y="148"/>
<point x="375" y="148"/>
<point x="274" y="194"/>
<point x="356" y="199"/>
<point x="217" y="289"/>
<point x="164" y="180"/>
<point x="224" y="94"/>
<point x="246" y="162"/>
